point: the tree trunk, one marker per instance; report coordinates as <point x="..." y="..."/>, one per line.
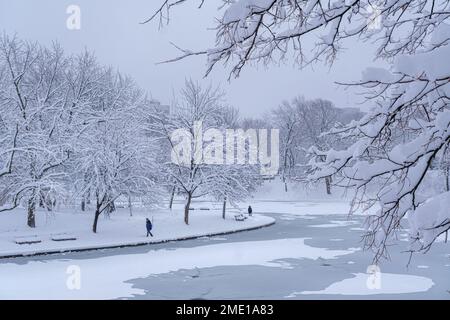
<point x="447" y="178"/>
<point x="171" y="197"/>
<point x="224" y="207"/>
<point x="130" y="206"/>
<point x="111" y="207"/>
<point x="285" y="157"/>
<point x="284" y="172"/>
<point x="50" y="205"/>
<point x="186" y="209"/>
<point x="31" y="220"/>
<point x="97" y="214"/>
<point x="328" y="184"/>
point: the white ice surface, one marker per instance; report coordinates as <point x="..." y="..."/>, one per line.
<point x="335" y="223"/>
<point x="389" y="284"/>
<point x="105" y="277"/>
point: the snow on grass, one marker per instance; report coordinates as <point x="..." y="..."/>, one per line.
<point x="303" y="201"/>
<point x="119" y="229"/>
<point x="302" y="208"/>
<point x="389" y="284"/>
<point x="105" y="277"/>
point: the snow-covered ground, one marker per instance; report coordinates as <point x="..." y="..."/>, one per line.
<point x="290" y="260"/>
<point x="119" y="229"/>
<point x="122" y="229"/>
<point x="313" y="251"/>
<point x="302" y="200"/>
<point x="109" y="282"/>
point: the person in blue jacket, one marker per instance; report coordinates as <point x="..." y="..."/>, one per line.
<point x="149" y="226"/>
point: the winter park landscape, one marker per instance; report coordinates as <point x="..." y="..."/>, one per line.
<point x="243" y="150"/>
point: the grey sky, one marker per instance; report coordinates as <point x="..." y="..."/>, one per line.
<point x="111" y="29"/>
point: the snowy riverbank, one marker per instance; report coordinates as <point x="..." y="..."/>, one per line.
<point x="120" y="229"/>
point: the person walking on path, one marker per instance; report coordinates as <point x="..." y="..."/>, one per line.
<point x="149" y="226"/>
<point x="250" y="210"/>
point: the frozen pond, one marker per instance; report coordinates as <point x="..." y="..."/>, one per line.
<point x="300" y="257"/>
<point x="341" y="277"/>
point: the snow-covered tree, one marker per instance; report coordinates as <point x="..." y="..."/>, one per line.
<point x="114" y="157"/>
<point x="285" y="119"/>
<point x="35" y="116"/>
<point x="318" y="116"/>
<point x="407" y="129"/>
<point x="395" y="145"/>
<point x="85" y="81"/>
<point x="236" y="181"/>
<point x="69" y="129"/>
<point x="198" y="111"/>
<point x="302" y="124"/>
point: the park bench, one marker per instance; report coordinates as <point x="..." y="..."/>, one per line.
<point x="240" y="217"/>
<point x="27" y="240"/>
<point x="63" y="237"/>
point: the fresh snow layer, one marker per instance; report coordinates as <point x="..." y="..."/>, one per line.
<point x="119" y="229"/>
<point x="299" y="201"/>
<point x="361" y="284"/>
<point x="427" y="218"/>
<point x="302" y="208"/>
<point x="105" y="277"/>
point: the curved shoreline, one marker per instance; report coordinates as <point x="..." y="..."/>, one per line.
<point x="133" y="244"/>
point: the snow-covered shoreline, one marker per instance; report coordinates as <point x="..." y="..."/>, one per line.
<point x="121" y="231"/>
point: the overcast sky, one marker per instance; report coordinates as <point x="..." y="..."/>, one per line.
<point x="112" y="30"/>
